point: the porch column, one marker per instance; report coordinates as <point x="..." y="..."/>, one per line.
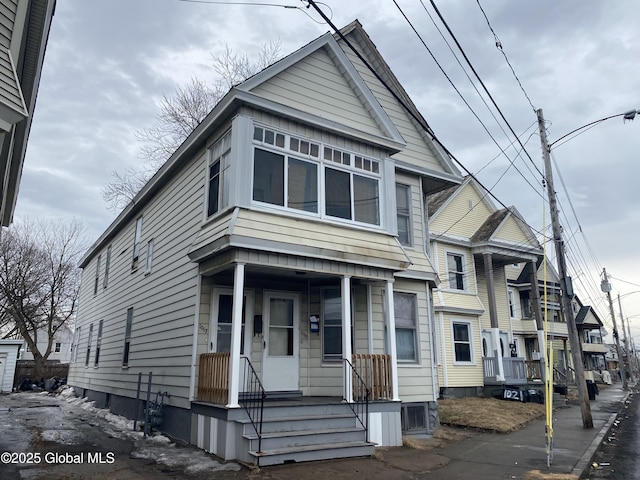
<point x="493" y="313"/>
<point x="236" y="336"/>
<point x="537" y="312"/>
<point x="346" y="337"/>
<point x="391" y="338"/>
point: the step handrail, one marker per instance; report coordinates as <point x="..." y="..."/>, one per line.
<point x="252" y="399"/>
<point x="360" y="393"/>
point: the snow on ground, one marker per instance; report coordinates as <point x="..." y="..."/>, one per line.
<point x="155" y="447"/>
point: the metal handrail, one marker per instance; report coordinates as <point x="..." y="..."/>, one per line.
<point x="361" y="393"/>
<point x="252" y="399"/>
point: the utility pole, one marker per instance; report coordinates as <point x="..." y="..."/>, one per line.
<point x="626" y="340"/>
<point x="605" y="286"/>
<point x="565" y="282"/>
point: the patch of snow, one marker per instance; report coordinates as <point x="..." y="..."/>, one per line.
<point x="155" y="447"/>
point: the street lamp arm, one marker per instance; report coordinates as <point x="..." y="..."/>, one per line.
<point x="630" y="115"/>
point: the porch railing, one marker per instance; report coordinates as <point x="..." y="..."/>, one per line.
<point x="252" y="397"/>
<point x="375" y="371"/>
<point x="515" y="371"/>
<point x="360" y="404"/>
<point x="534" y="369"/>
<point x="213" y="377"/>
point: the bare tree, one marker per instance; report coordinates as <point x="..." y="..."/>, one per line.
<point x="180" y="115"/>
<point x="39" y="282"/>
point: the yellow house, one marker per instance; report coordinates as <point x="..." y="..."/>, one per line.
<point x="473" y="243"/>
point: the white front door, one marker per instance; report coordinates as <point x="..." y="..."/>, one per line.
<point x="281" y="366"/>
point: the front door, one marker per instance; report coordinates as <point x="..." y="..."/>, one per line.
<point x="281" y="366"/>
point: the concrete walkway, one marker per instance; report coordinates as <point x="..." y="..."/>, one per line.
<point x="518" y="455"/>
<point x="522" y="455"/>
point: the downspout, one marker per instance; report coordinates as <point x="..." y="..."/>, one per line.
<point x="430" y="325"/>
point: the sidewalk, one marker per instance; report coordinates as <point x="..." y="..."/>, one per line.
<point x="37" y="423"/>
<point x="519" y="455"/>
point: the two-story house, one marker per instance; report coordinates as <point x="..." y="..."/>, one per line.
<point x="473" y="243"/>
<point x="282" y="251"/>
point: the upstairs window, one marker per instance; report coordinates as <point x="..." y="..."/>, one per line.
<point x="290" y="172"/>
<point x="219" y="156"/>
<point x="403" y="214"/>
<point x="149" y="258"/>
<point x="455" y="271"/>
<point x="107" y="266"/>
<point x="136" y="244"/>
<point x="97" y="279"/>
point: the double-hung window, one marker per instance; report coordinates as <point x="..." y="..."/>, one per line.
<point x="97" y="279"/>
<point x="403" y="214"/>
<point x="98" y="344"/>
<point x="86" y="361"/>
<point x="127" y="337"/>
<point x="305" y="176"/>
<point x="405" y="312"/>
<point x="462" y="342"/>
<point x="455" y="271"/>
<point x="136" y="244"/>
<point x="107" y="266"/>
<point x="218" y="175"/>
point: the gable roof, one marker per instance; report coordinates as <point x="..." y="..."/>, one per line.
<point x="255" y="92"/>
<point x="437" y="167"/>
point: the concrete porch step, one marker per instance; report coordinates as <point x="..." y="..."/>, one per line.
<point x="318" y="438"/>
<point x="308" y="453"/>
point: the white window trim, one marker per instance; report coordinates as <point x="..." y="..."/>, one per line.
<point x="321" y="163"/>
<point x="410" y="233"/>
<point x="469" y="323"/>
<point x="466" y="271"/>
<point x="418" y="360"/>
<point x="149" y="257"/>
<point x="224" y="180"/>
<point x="249" y="299"/>
<point x="511" y="303"/>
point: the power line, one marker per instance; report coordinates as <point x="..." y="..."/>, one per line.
<point x="480" y="80"/>
<point x="500" y="47"/>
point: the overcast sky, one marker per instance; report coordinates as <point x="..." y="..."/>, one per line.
<point x="109" y="62"/>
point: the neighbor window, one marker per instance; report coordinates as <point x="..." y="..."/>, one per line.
<point x="86" y="361"/>
<point x="58" y="347"/>
<point x="97" y="279"/>
<point x="405" y="312"/>
<point x="512" y="303"/>
<point x="136" y="243"/>
<point x="455" y="271"/>
<point x="224" y="323"/>
<point x="462" y="341"/>
<point x="291" y="173"/>
<point x="218" y="174"/>
<point x="127" y="337"/>
<point x="107" y="266"/>
<point x="149" y="256"/>
<point x="403" y="213"/>
<point x="98" y="343"/>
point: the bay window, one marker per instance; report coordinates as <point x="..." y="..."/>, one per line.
<point x="306" y="176"/>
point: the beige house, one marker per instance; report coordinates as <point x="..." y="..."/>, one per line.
<point x="478" y="322"/>
<point x="24" y="31"/>
<point x="281" y="252"/>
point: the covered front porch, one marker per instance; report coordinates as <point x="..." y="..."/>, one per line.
<point x="292" y="361"/>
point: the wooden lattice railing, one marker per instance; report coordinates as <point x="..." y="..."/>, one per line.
<point x="213" y="377"/>
<point x="375" y="371"/>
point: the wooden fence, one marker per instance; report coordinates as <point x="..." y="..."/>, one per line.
<point x="213" y="377"/>
<point x="375" y="370"/>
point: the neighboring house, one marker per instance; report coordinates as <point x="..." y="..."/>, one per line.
<point x="284" y="237"/>
<point x="531" y="310"/>
<point x="8" y="355"/>
<point x="24" y="33"/>
<point x="60" y="346"/>
<point x="472" y="242"/>
<point x="590" y="332"/>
